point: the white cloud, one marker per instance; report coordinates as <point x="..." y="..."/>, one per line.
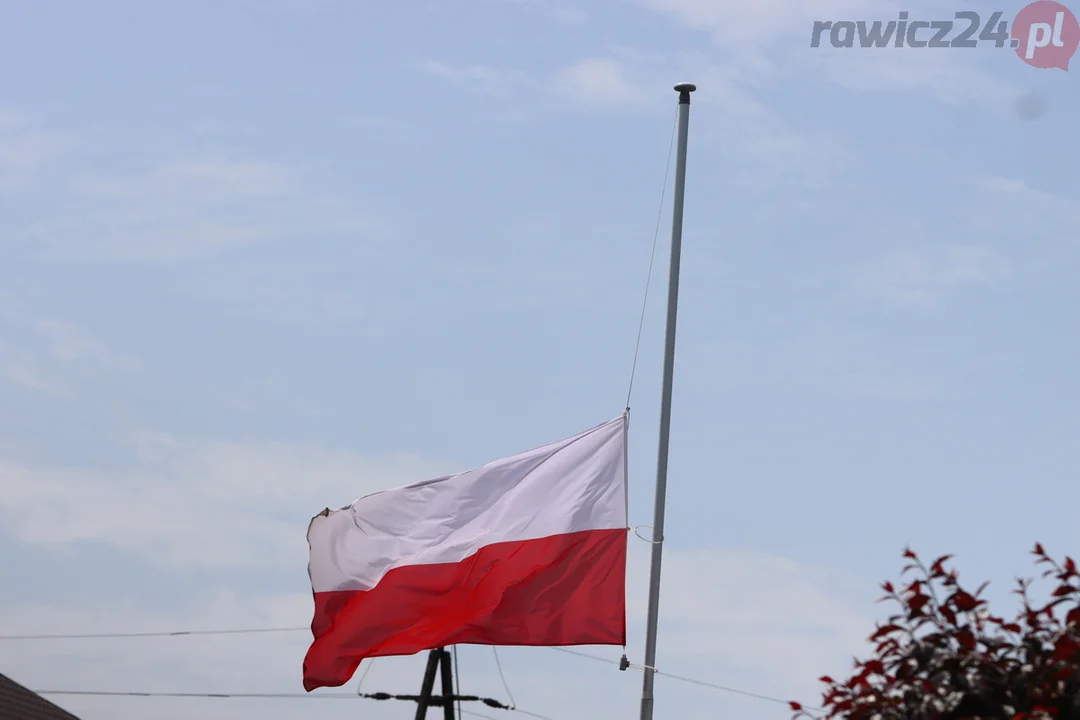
<point x="28" y="152"/>
<point x="167" y="211"/>
<point x="1017" y="208"/>
<point x="472" y="72"/>
<point x="387" y="129"/>
<point x="192" y="503"/>
<point x="770" y="153"/>
<point x="588" y="83"/>
<point x="44" y="354"/>
<point x="25" y="151"/>
<point x="775" y="155"/>
<point x="749" y="26"/>
<point x="598" y="82"/>
<point x="217" y="180"/>
<point x="563" y="13"/>
<point x="10" y="120"/>
<point x="774" y="623"/>
<point x="22" y="371"/>
<point x="951" y="78"/>
<point x="889" y="388"/>
<point x="475" y="78"/>
<point x="291" y="7"/>
<point x="772" y="37"/>
<point x="922" y="278"/>
<point x="68" y="342"/>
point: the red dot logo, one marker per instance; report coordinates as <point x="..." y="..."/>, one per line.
<point x="1046" y="34"/>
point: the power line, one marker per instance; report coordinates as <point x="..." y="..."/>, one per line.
<point x="248" y="631"/>
<point x="530" y="714"/>
<point x="251" y="696"/>
<point x="268" y="696"/>
<point x="502" y="677"/>
<point x="682" y="678"/>
<point x="176" y="633"/>
<point x="476" y="714"/>
<point x="343" y="696"/>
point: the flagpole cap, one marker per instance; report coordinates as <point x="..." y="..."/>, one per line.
<point x="684" y="89"/>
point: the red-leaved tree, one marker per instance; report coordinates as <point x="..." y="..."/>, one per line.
<point x="945" y="656"/>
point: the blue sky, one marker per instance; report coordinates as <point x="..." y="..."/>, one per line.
<point x="258" y="258"/>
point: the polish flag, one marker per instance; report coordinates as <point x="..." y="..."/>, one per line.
<point x="526" y="550"/>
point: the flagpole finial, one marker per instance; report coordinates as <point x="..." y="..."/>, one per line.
<point x="684" y="90"/>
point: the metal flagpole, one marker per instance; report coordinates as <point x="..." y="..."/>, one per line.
<point x="684" y="90"/>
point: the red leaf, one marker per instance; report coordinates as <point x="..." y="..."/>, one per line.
<point x="887" y="648"/>
<point x="795" y="706"/>
<point x="916" y="603"/>
<point x="909" y="554"/>
<point x="964" y="602"/>
<point x="1049" y="609"/>
<point x="1064" y="590"/>
<point x="966" y="639"/>
<point x="1039" y="550"/>
<point x="1011" y="627"/>
<point x="826" y="679"/>
<point x="1070" y="566"/>
<point x="1065" y="648"/>
<point x="950" y="616"/>
<point x="1073" y="616"/>
<point x="883" y="631"/>
<point x="938" y="569"/>
<point x="888" y="587"/>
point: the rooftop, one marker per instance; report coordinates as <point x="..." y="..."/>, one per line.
<point x="18" y="703"/>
